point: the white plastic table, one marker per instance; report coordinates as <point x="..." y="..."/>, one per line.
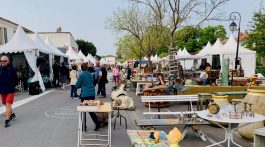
<point x="106" y="108"/>
<point x="218" y="118"/>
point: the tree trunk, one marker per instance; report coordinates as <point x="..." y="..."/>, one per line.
<point x="171" y="37"/>
<point x="149" y="62"/>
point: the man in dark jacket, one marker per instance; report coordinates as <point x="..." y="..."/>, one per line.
<point x="102" y="80"/>
<point x="8" y="82"/>
<point x="56" y="74"/>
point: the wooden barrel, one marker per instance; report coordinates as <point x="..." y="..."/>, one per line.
<point x="257" y="98"/>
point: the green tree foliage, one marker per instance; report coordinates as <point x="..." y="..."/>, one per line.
<point x="211" y="33"/>
<point x="193" y="39"/>
<point x="128" y="47"/>
<point x="256" y="39"/>
<point x="187" y="37"/>
<point x="86" y="47"/>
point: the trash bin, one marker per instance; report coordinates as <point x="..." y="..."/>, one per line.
<point x="34" y="88"/>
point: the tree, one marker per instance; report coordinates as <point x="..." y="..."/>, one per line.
<point x="128" y="47"/>
<point x="187" y="37"/>
<point x="176" y="13"/>
<point x="86" y="47"/>
<point x="256" y="38"/>
<point x="140" y="25"/>
<point x="193" y="39"/>
<point x="211" y="33"/>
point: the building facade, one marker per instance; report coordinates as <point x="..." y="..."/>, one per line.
<point x="7" y="30"/>
<point x="62" y="40"/>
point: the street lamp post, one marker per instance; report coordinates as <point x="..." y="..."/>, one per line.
<point x="233" y="27"/>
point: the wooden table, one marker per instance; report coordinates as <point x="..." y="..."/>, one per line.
<point x="141" y="138"/>
<point x="106" y="108"/>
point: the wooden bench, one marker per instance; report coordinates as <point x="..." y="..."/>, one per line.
<point x="188" y="122"/>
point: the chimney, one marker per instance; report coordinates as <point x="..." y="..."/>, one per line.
<point x="59" y="29"/>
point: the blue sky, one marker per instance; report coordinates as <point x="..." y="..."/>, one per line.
<point x="86" y="19"/>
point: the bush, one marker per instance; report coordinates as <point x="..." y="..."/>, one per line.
<point x="260" y="69"/>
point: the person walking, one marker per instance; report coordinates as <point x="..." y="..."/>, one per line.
<point x="115" y="72"/>
<point x="86" y="83"/>
<point x="73" y="78"/>
<point x="8" y="82"/>
<point x="64" y="71"/>
<point x="96" y="74"/>
<point x="128" y="72"/>
<point x="102" y="80"/>
<point x="56" y="74"/>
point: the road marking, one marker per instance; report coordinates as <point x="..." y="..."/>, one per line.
<point x="65" y="112"/>
<point x="24" y="101"/>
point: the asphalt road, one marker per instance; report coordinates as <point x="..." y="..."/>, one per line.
<point x="51" y="121"/>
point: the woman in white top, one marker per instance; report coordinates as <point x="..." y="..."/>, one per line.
<point x="73" y="79"/>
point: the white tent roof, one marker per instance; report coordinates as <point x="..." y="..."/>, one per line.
<point x="216" y="48"/>
<point x="81" y="55"/>
<point x="155" y="58"/>
<point x="179" y="53"/>
<point x="72" y="54"/>
<point x="185" y="52"/>
<point x="36" y="38"/>
<point x="230" y="47"/>
<point x="205" y="50"/>
<point x="55" y="50"/>
<point x="20" y="42"/>
<point x="91" y="58"/>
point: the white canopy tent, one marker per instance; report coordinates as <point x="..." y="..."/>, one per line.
<point x="248" y="57"/>
<point x="36" y="38"/>
<point x="155" y="58"/>
<point x="228" y="50"/>
<point x="215" y="50"/>
<point x="55" y="50"/>
<point x="72" y="55"/>
<point x="91" y="59"/>
<point x="185" y="58"/>
<point x="20" y="42"/>
<point x="82" y="56"/>
<point x="205" y="50"/>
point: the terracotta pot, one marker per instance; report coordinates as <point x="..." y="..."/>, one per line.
<point x="257" y="98"/>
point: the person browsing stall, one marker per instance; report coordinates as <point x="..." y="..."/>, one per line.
<point x="86" y="83"/>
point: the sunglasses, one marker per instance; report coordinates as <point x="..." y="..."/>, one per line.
<point x="3" y="61"/>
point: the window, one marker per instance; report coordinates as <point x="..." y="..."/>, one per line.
<point x="5" y="35"/>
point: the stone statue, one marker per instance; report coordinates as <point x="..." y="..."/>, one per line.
<point x="225" y="70"/>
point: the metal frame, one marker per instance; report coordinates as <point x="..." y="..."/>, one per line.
<point x="228" y="135"/>
<point x="80" y="133"/>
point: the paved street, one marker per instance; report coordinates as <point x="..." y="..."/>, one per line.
<point x="51" y="121"/>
